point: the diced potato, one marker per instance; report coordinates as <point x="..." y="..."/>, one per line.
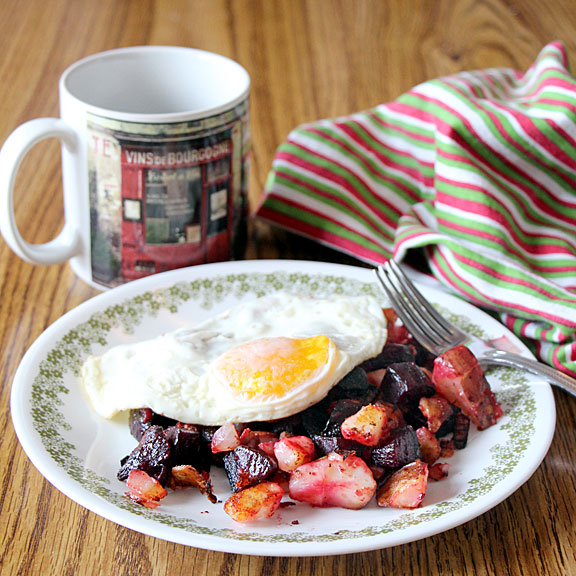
<point x="406" y="488"/>
<point x="293" y="451"/>
<point x="460" y="379"/>
<point x="254" y="502"/>
<point x="144" y="489"/>
<point x="225" y="438"/>
<point x="368" y="426"/>
<point x="334" y="480"/>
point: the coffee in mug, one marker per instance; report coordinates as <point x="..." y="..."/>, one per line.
<point x="155" y="143"/>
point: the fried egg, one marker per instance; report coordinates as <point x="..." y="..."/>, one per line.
<point x="261" y="360"/>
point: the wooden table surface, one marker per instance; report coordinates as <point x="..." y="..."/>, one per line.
<point x="308" y="60"/>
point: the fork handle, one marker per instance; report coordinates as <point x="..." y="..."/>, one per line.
<point x="502" y="358"/>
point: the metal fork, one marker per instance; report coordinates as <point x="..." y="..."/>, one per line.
<point x="437" y="334"/>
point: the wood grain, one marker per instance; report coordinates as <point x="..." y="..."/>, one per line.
<point x="308" y="59"/>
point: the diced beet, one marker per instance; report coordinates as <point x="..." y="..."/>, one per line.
<point x="355" y="385"/>
<point x="404" y="384"/>
<point x="143" y="418"/>
<point x="391" y="354"/>
<point x="447" y="426"/>
<point x="207" y="433"/>
<point x="187" y="447"/>
<point x="289" y="425"/>
<point x="342" y="409"/>
<point x="152" y="455"/>
<point x="401" y="448"/>
<point x="327" y="444"/>
<point x="314" y="418"/>
<point x="423" y="358"/>
<point x="461" y="429"/>
<point x="247" y="466"/>
<point x="139" y="421"/>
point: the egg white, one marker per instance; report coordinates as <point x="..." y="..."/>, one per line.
<point x="173" y="373"/>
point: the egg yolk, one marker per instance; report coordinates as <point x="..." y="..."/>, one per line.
<point x="272" y="367"/>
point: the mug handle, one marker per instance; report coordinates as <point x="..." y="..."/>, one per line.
<point x="17" y="145"/>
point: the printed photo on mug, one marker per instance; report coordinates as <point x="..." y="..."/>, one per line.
<point x="155" y="153"/>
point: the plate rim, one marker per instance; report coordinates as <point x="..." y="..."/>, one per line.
<point x="61" y="481"/>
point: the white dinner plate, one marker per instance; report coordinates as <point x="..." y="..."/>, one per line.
<point x="79" y="453"/>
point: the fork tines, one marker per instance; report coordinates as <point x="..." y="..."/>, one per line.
<point x="425" y="323"/>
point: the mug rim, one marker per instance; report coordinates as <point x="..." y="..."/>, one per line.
<point x="155" y="117"/>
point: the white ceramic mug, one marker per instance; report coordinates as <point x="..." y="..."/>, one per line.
<point x="155" y="143"/>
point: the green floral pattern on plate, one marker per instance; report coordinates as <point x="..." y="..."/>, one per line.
<point x="67" y="355"/>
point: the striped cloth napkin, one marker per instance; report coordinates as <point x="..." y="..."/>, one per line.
<point x="477" y="169"/>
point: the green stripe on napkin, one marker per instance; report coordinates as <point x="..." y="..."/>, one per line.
<point x="478" y="168"/>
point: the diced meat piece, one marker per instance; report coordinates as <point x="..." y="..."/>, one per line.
<point x="461" y="429"/>
<point x="397" y="332"/>
<point x="247" y="466"/>
<point x="186" y="475"/>
<point x="144" y="489"/>
<point x="437" y="410"/>
<point x="404" y="384"/>
<point x="460" y="379"/>
<point x="355" y="384"/>
<point x="342" y="409"/>
<point x="394" y="415"/>
<point x="447" y="448"/>
<point x="254" y="502"/>
<point x="335" y="480"/>
<point x="400" y="448"/>
<point x="188" y="447"/>
<point x="268" y="447"/>
<point x="375" y="377"/>
<point x="368" y="426"/>
<point x="429" y="445"/>
<point x="254" y="438"/>
<point x="438" y="471"/>
<point x="392" y="353"/>
<point x="294" y="451"/>
<point x="152" y="455"/>
<point x="225" y="438"/>
<point x="406" y="488"/>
